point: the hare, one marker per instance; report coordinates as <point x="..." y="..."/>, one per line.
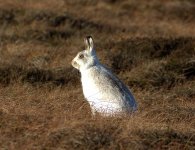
<point x="106" y="94"/>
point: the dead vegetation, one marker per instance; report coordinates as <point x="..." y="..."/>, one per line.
<point x="149" y="45"/>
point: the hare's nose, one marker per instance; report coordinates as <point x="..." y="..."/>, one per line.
<point x="74" y="63"/>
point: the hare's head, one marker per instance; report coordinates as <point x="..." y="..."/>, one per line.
<point x="86" y="58"/>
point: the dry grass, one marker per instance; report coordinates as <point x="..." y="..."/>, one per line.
<point x="149" y="45"/>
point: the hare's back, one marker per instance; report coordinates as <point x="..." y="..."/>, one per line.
<point x="115" y="82"/>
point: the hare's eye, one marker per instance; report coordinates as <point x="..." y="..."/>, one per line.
<point x="81" y="56"/>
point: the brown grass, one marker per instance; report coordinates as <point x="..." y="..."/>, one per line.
<point x="149" y="45"/>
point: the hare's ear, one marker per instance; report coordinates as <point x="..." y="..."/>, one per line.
<point x="89" y="43"/>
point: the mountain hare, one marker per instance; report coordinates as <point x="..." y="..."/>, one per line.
<point x="105" y="93"/>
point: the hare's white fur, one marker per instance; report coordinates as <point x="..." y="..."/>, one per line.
<point x="105" y="93"/>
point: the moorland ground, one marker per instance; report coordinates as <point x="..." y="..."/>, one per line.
<point x="150" y="45"/>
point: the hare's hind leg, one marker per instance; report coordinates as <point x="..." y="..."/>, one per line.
<point x="93" y="111"/>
